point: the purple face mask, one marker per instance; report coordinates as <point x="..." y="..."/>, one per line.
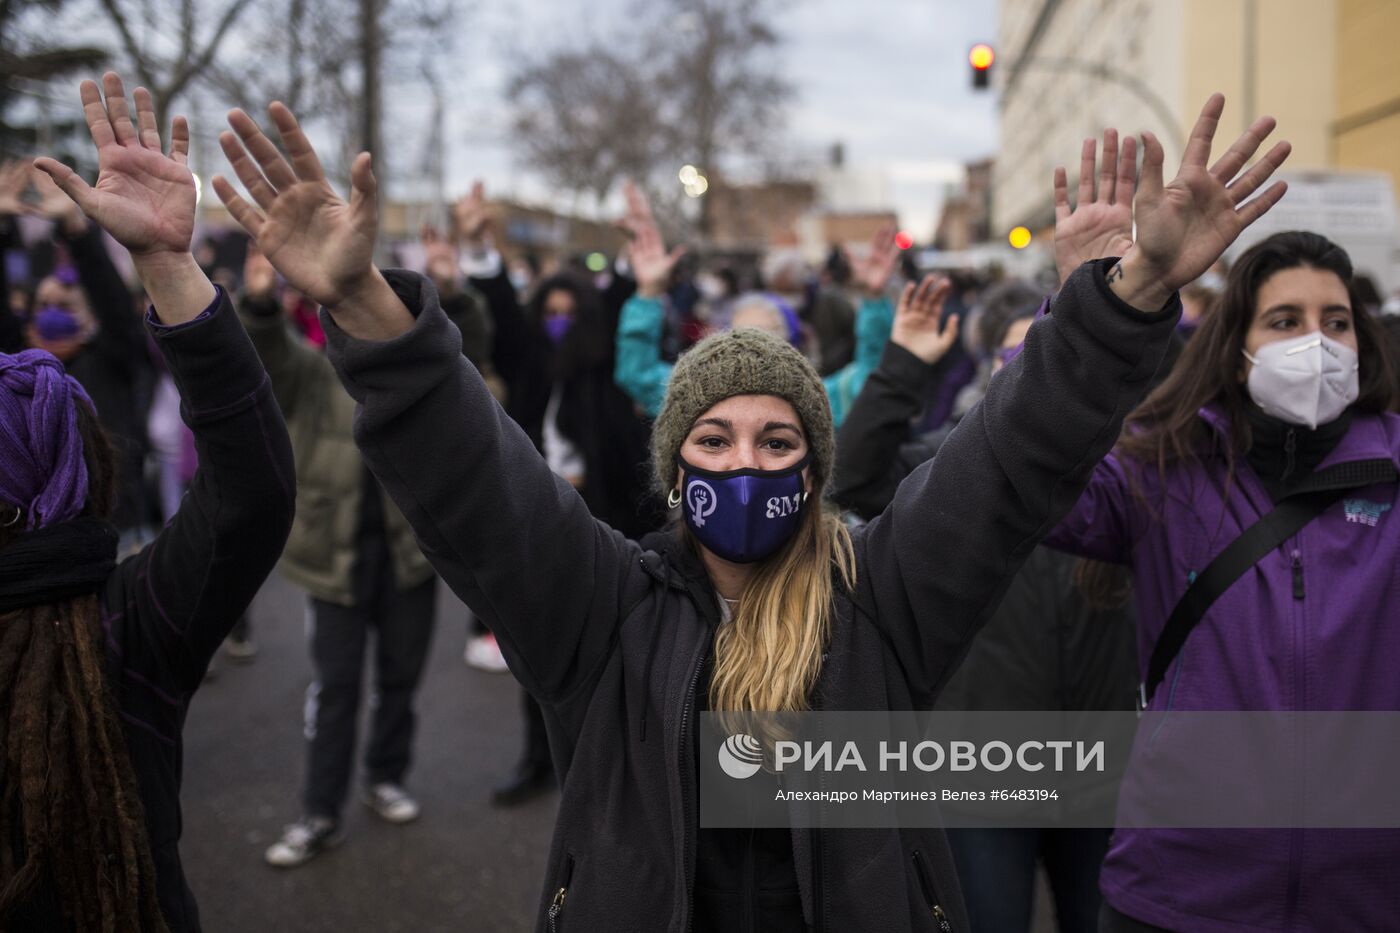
<point x="743" y="515"/>
<point x="557" y="327"/>
<point x="53" y="322"/>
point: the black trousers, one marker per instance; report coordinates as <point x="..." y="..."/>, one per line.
<point x="1111" y="921"/>
<point x="402" y="621"/>
<point x="997" y="871"/>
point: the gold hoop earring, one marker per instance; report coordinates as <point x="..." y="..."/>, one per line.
<point x="19" y="513"/>
<point x="673" y="499"/>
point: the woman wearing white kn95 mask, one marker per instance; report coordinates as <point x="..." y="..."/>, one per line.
<point x="1255" y="496"/>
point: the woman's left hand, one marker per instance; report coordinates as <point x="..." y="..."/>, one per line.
<point x="1184" y="226"/>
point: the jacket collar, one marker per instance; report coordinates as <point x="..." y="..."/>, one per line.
<point x="1370" y="437"/>
<point x="670" y="559"/>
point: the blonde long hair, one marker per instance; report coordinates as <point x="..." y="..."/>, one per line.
<point x="769" y="655"/>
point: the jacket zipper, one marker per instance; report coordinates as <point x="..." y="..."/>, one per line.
<point x="931" y="896"/>
<point x="557" y="907"/>
<point x="1295" y="836"/>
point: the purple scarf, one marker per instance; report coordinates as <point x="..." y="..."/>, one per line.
<point x="41" y="453"/>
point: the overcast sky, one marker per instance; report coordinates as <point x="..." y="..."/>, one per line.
<point x="887" y="78"/>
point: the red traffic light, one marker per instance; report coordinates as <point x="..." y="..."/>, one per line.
<point x="904" y="239"/>
<point x="981" y="56"/>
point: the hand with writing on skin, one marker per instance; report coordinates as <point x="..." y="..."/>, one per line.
<point x="1101" y="225"/>
<point x="1184" y="226"/>
<point x="320" y="243"/>
<point x="144" y="197"/>
<point x="918" y="320"/>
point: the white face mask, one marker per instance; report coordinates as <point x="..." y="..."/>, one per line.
<point x="1307" y="380"/>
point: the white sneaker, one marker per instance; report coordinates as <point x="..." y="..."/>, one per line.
<point x="484" y="654"/>
<point x="391" y="802"/>
<point x="302" y="841"/>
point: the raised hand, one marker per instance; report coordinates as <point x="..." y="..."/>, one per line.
<point x="651" y="264"/>
<point x="1185" y="226"/>
<point x="55" y="205"/>
<point x="918" y="320"/>
<point x="14" y="178"/>
<point x="638" y="215"/>
<point x="439" y="258"/>
<point x="259" y="278"/>
<point x="873" y="270"/>
<point x="143" y="197"/>
<point x="1101" y="225"/>
<point x="471" y="217"/>
<point x="322" y="244"/>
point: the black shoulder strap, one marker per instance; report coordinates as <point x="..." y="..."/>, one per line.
<point x="1286" y="519"/>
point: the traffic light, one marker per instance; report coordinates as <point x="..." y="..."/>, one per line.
<point x="980" y="57"/>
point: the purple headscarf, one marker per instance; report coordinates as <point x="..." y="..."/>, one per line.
<point x="42" y="470"/>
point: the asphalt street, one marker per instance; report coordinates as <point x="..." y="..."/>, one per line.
<point x="464" y="866"/>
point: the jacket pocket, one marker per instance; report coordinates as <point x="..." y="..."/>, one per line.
<point x="556" y="906"/>
<point x="921" y="869"/>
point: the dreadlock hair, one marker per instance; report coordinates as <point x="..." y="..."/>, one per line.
<point x="73" y="842"/>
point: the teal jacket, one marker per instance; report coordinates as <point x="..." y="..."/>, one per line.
<point x="643" y="374"/>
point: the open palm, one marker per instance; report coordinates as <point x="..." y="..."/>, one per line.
<point x="873" y="270"/>
<point x="918" y="320"/>
<point x="144" y="198"/>
<point x="1101" y="224"/>
<point x="322" y="244"/>
<point x="651" y="263"/>
<point x="1185" y="226"/>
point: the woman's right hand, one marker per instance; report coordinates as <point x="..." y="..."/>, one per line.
<point x="322" y="245"/>
<point x="1183" y="227"/>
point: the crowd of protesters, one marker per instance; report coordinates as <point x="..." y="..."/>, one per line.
<point x="1006" y="493"/>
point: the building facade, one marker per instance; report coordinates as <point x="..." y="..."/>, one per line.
<point x="1069" y="68"/>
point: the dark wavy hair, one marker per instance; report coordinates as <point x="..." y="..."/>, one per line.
<point x="1166" y="427"/>
<point x="73" y="839"/>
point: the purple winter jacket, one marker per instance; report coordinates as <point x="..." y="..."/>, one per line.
<point x="1259" y="647"/>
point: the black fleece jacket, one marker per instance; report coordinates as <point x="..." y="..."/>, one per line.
<point x="166" y="610"/>
<point x="1046" y="646"/>
<point x="611" y="637"/>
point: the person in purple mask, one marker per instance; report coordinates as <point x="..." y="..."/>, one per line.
<point x="99" y="659"/>
<point x="758" y="598"/>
